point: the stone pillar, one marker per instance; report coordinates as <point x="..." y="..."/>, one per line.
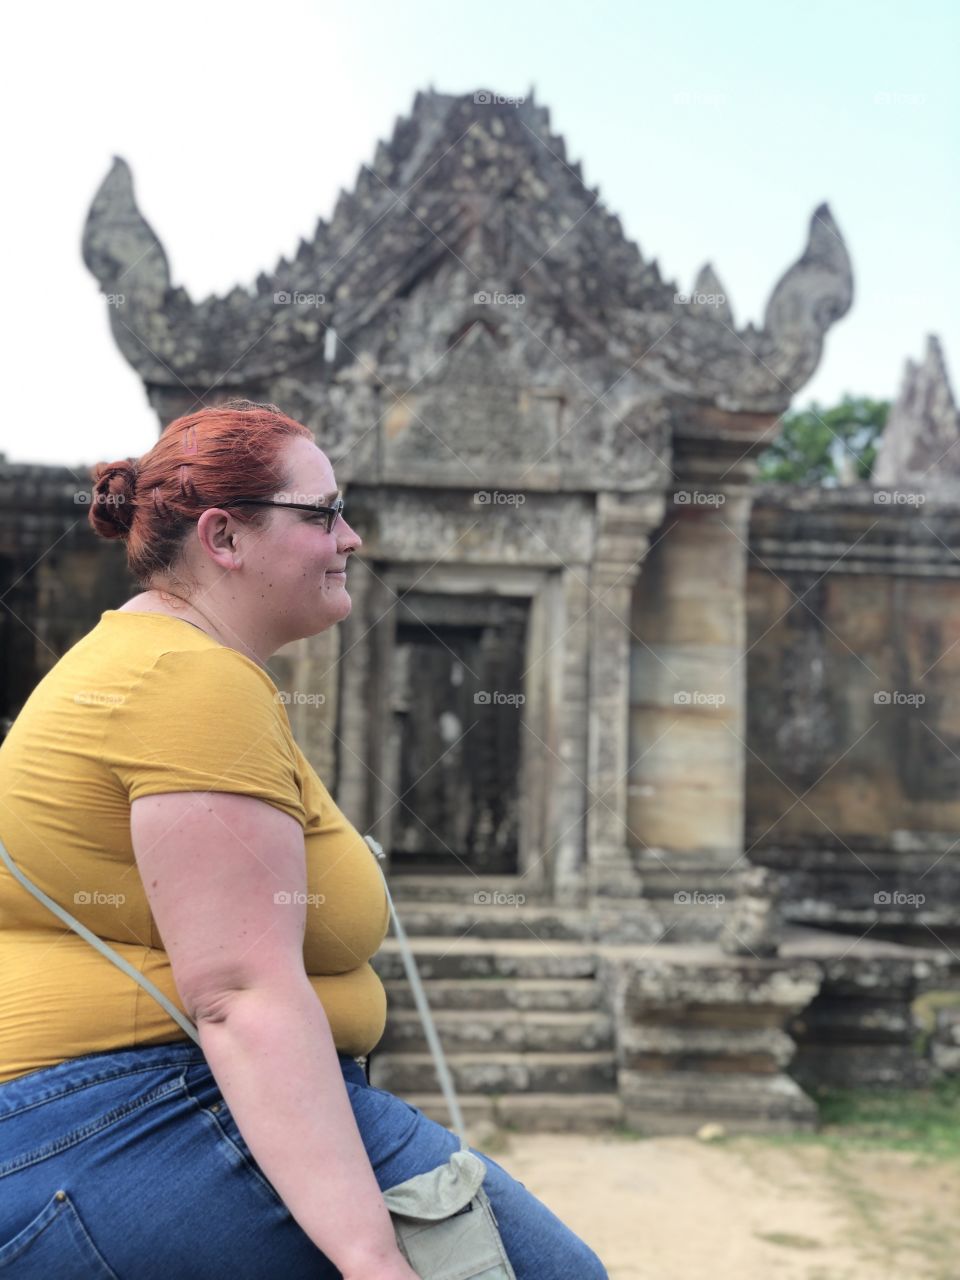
<point x="623" y="526"/>
<point x="566" y="798"/>
<point x="688" y="714"/>
<point x="353" y="787"/>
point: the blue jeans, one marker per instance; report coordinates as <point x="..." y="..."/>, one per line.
<point x="129" y="1166"/>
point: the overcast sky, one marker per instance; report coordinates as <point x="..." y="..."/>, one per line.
<point x="713" y="130"/>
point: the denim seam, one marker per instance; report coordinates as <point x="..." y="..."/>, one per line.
<point x="100" y="1078"/>
<point x="80" y="1135"/>
<point x="244" y="1155"/>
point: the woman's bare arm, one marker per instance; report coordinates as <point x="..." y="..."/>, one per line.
<point x="211" y="864"/>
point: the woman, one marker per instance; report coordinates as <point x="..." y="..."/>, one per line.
<point x="152" y="786"/>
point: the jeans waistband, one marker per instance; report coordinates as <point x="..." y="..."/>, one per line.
<point x="91" y="1068"/>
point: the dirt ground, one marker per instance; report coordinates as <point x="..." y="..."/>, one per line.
<point x="744" y="1209"/>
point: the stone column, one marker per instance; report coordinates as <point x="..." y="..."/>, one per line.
<point x="624" y="522"/>
<point x="688" y="716"/>
<point x="355" y="671"/>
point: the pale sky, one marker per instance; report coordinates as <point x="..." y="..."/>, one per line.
<point x="712" y="130"/>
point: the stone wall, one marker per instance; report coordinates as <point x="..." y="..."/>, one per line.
<point x="853" y="748"/>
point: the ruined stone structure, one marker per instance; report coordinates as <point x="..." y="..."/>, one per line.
<point x="568" y="586"/>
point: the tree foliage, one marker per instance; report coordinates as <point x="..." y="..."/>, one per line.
<point x="825" y="446"/>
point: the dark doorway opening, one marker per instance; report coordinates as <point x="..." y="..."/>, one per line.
<point x="457" y="704"/>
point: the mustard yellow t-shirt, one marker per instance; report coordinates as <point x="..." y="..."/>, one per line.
<point x="147" y="703"/>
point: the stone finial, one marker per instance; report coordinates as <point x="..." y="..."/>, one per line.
<point x="917" y="446"/>
<point x="709" y="296"/>
<point x="809" y="297"/>
<point x="119" y="246"/>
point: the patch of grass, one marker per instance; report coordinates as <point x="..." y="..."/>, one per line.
<point x="626" y="1134"/>
<point x="925" y="1121"/>
<point x="787" y="1239"/>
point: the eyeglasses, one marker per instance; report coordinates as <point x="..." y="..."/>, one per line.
<point x="330" y="513"/>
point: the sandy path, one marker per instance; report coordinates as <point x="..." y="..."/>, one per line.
<point x="679" y="1209"/>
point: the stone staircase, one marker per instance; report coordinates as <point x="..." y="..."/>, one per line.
<point x="517" y="1007"/>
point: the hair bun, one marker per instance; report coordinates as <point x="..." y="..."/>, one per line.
<point x="113" y="501"/>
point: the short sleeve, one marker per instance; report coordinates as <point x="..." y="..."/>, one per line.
<point x="205" y="720"/>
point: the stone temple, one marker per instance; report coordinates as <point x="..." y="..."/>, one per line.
<point x="640" y="735"/>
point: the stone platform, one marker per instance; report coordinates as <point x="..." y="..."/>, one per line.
<point x="566" y="1034"/>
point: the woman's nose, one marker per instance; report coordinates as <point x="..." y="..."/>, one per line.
<point x="348" y="539"/>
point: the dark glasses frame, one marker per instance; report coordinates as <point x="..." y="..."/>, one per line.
<point x="330" y="512"/>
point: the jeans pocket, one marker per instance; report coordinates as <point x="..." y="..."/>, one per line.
<point x="55" y="1243"/>
<point x="220" y="1124"/>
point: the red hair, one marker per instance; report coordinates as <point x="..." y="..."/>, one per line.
<point x="231" y="450"/>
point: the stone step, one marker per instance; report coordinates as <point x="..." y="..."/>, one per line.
<point x="498" y="1031"/>
<point x="408" y="1073"/>
<point x="459" y="888"/>
<point x="678" y="1102"/>
<point x="487" y="957"/>
<point x="560" y="996"/>
<point x="528" y="1112"/>
<point x="493" y="920"/>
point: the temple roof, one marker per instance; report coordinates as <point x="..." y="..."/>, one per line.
<point x="472" y="200"/>
<point x="917" y="448"/>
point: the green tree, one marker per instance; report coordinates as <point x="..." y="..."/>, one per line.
<point x="824" y="446"/>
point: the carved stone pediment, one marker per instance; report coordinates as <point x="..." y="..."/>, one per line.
<point x="470" y="242"/>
